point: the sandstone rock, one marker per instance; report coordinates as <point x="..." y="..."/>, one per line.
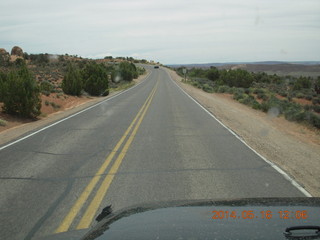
<point x="17" y="51"/>
<point x="4" y="55"/>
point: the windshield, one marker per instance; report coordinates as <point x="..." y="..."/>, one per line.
<point x="127" y="102"/>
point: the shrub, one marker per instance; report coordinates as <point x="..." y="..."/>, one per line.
<point x="307" y="107"/>
<point x="3" y="123"/>
<point x="295" y="114"/>
<point x="308" y="97"/>
<point x="283" y="94"/>
<point x="3" y="79"/>
<point x="223" y="89"/>
<point x="256" y="105"/>
<point x="314" y="120"/>
<point x="46" y="87"/>
<point x="212" y="74"/>
<point x="128" y="71"/>
<point x="54" y="105"/>
<point x="95" y="79"/>
<point x="72" y="81"/>
<point x="238" y="95"/>
<point x="207" y="88"/>
<point x="21" y="94"/>
<point x="302" y="82"/>
<point x="316" y="108"/>
<point x="316" y="101"/>
<point x="300" y="95"/>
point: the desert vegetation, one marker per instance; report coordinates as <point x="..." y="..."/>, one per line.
<point x="29" y="80"/>
<point x="296" y="98"/>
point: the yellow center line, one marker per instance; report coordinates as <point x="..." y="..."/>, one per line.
<point x="67" y="221"/>
<point x="95" y="203"/>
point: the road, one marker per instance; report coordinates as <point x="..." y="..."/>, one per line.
<point x="150" y="143"/>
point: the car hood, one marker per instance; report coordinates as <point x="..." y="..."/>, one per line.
<point x="266" y="218"/>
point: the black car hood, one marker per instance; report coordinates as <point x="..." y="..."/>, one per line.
<point x="221" y="219"/>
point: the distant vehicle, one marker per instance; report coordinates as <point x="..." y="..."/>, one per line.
<point x="156" y="66"/>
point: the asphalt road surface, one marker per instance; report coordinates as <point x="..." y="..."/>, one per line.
<point x="150" y="143"/>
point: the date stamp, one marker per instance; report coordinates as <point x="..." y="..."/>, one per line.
<point x="265" y="214"/>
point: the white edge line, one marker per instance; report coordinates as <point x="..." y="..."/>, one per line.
<point x="73" y="115"/>
<point x="274" y="166"/>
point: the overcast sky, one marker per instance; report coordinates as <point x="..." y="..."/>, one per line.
<point x="169" y="31"/>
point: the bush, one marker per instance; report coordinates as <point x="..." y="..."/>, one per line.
<point x="316" y="101"/>
<point x="3" y="123"/>
<point x="72" y="81"/>
<point x="127" y="71"/>
<point x="46" y="87"/>
<point x="237" y="96"/>
<point x="3" y="79"/>
<point x="295" y="114"/>
<point x="54" y="105"/>
<point x="212" y="74"/>
<point x="300" y="95"/>
<point x="21" y="94"/>
<point x="302" y="82"/>
<point x="256" y="105"/>
<point x="207" y="88"/>
<point x="223" y="89"/>
<point x="314" y="120"/>
<point x="95" y="79"/>
<point x="316" y="108"/>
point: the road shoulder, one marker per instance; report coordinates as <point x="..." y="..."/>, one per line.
<point x="292" y="147"/>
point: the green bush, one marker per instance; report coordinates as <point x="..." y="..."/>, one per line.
<point x="72" y="81"/>
<point x="207" y="88"/>
<point x="3" y="79"/>
<point x="95" y="78"/>
<point x="21" y="94"/>
<point x="128" y="71"/>
<point x="316" y="100"/>
<point x="46" y="87"/>
<point x="300" y="95"/>
<point x="316" y="108"/>
<point x="295" y="114"/>
<point x="314" y="120"/>
<point x="302" y="82"/>
<point x="3" y="123"/>
<point x="239" y="94"/>
<point x="223" y="89"/>
<point x="54" y="105"/>
<point x="256" y="105"/>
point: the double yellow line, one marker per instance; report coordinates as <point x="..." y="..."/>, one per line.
<point x="101" y="192"/>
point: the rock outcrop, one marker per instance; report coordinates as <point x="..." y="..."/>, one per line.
<point x="17" y="51"/>
<point x="4" y="55"/>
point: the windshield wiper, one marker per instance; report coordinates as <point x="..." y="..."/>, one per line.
<point x="105" y="212"/>
<point x="299" y="232"/>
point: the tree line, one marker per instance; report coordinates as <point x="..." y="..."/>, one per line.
<point x="20" y="93"/>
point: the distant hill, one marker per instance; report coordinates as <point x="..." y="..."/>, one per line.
<point x="208" y="65"/>
<point x="301" y="68"/>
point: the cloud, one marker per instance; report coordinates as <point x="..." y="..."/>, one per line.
<point x="168" y="30"/>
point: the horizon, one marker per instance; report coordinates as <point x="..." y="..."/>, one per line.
<point x="169" y="31"/>
<point x="316" y="62"/>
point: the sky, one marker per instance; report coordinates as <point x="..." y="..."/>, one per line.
<point x="168" y="31"/>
